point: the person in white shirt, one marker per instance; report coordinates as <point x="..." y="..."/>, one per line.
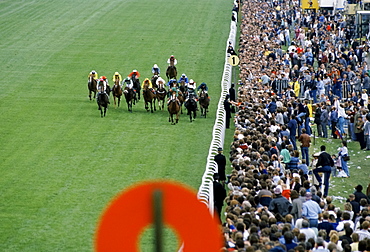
<point x="346" y="218"/>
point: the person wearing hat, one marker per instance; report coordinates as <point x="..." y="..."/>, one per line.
<point x="173" y="94"/>
<point x="102" y="88"/>
<point x="156" y="70"/>
<point x="184" y="78"/>
<point x="191" y="84"/>
<point x="117" y="76"/>
<point x="147" y="81"/>
<point x="227" y="107"/>
<point x="202" y="87"/>
<point x="219" y="195"/>
<point x="232" y="93"/>
<point x="311" y="210"/>
<point x="94" y="74"/>
<point x="128" y="83"/>
<point x="134" y="74"/>
<point x="280" y="204"/>
<point x="190" y="93"/>
<point x="220" y="160"/>
<point x="172" y="61"/>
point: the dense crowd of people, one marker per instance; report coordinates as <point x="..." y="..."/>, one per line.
<point x="294" y="66"/>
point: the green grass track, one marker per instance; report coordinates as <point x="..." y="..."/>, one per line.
<point x="60" y="163"/>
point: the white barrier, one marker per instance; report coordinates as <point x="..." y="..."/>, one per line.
<point x="205" y="192"/>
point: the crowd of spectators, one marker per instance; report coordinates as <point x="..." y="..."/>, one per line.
<point x="295" y="66"/>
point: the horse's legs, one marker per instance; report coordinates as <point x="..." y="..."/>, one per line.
<point x="105" y="111"/>
<point x="151" y="107"/>
<point x="119" y="100"/>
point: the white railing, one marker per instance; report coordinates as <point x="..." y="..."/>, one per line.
<point x="205" y="192"/>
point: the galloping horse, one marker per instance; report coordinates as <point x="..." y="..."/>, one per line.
<point x="117" y="92"/>
<point x="102" y="103"/>
<point x="173" y="109"/>
<point x="181" y="98"/>
<point x="204" y="103"/>
<point x="149" y="97"/>
<point x="171" y="72"/>
<point x="130" y="97"/>
<point x="137" y="87"/>
<point x="191" y="106"/>
<point x="161" y="95"/>
<point x="91" y="84"/>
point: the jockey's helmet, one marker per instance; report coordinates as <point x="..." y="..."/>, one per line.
<point x="116" y="73"/>
<point x="104" y="78"/>
<point x="134" y="71"/>
<point x="172" y="56"/>
<point x="93" y="72"/>
<point x="155" y="66"/>
<point x="183" y="75"/>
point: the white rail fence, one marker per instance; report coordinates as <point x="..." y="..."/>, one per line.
<point x="205" y="192"/>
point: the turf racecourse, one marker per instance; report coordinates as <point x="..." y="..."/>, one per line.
<point x="60" y="162"/>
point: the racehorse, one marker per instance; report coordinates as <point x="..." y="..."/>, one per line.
<point x="171" y="72"/>
<point x="130" y="97"/>
<point x="91" y="84"/>
<point x="149" y="97"/>
<point x="181" y="98"/>
<point x="137" y="87"/>
<point x="173" y="109"/>
<point x="102" y="103"/>
<point x="161" y="95"/>
<point x="191" y="106"/>
<point x="204" y="103"/>
<point x="117" y="92"/>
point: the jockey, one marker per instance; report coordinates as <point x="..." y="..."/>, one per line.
<point x="202" y="87"/>
<point x="173" y="94"/>
<point x="156" y="70"/>
<point x="184" y="78"/>
<point x="134" y="74"/>
<point x="172" y="83"/>
<point x="191" y="84"/>
<point x="160" y="83"/>
<point x="107" y="87"/>
<point x="93" y="72"/>
<point x="172" y="61"/>
<point x="147" y="81"/>
<point x="102" y="88"/>
<point x="117" y="76"/>
<point x="191" y="91"/>
<point x="129" y="83"/>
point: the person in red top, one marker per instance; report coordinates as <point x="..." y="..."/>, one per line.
<point x="286" y="192"/>
<point x="134" y="73"/>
